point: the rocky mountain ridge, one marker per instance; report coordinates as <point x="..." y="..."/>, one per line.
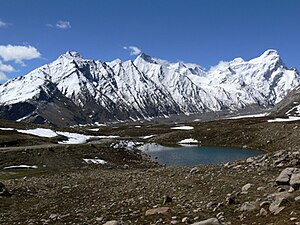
<point x="73" y="90"/>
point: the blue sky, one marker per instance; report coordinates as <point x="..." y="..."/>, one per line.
<point x="198" y="31"/>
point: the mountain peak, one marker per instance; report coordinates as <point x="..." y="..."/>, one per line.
<point x="72" y="54"/>
<point x="146" y="58"/>
<point x="270" y="52"/>
<point x="269" y="57"/>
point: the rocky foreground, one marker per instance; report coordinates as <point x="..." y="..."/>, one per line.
<point x="260" y="190"/>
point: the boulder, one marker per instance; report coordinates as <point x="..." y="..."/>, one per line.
<point x="285" y="175"/>
<point x="245" y="188"/>
<point x="248" y="206"/>
<point x="295" y="181"/>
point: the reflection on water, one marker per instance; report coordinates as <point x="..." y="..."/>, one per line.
<point x="193" y="155"/>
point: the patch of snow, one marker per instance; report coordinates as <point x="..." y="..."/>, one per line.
<point x="247" y="116"/>
<point x="20" y="167"/>
<point x="41" y="132"/>
<point x="138" y="126"/>
<point x="183" y="128"/>
<point x="149" y="136"/>
<point x="25" y="117"/>
<point x="291" y="118"/>
<point x="100" y="124"/>
<point x="188" y="141"/>
<point x="129" y="145"/>
<point x="94" y="129"/>
<point x="75" y="138"/>
<point x="6" y="128"/>
<point x="95" y="161"/>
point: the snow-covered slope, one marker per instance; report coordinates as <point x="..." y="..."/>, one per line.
<point x="77" y="90"/>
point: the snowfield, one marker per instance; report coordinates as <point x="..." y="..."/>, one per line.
<point x="41" y="132"/>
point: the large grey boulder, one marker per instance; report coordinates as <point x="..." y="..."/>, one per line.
<point x="295" y="181"/>
<point x="285" y="175"/>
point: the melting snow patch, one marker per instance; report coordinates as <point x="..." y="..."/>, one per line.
<point x="188" y="141"/>
<point x="94" y="129"/>
<point x="95" y="161"/>
<point x="291" y="118"/>
<point x="149" y="136"/>
<point x="183" y="128"/>
<point x="25" y="117"/>
<point x="129" y="145"/>
<point x="74" y="138"/>
<point x="6" y="128"/>
<point x="20" y="167"/>
<point x="247" y="116"/>
<point x="41" y="132"/>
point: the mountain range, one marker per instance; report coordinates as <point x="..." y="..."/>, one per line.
<point x="72" y="90"/>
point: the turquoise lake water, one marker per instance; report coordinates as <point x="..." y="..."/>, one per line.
<point x="189" y="156"/>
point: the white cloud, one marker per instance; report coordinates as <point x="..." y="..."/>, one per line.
<point x="3" y="77"/>
<point x="61" y="24"/>
<point x="133" y="50"/>
<point x="3" y="24"/>
<point x="6" y="68"/>
<point x="18" y="53"/>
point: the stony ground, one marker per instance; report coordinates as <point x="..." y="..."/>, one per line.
<point x="132" y="190"/>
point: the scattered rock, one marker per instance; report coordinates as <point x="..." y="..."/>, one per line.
<point x="194" y="170"/>
<point x="248" y="206"/>
<point x="3" y="190"/>
<point x="185" y="220"/>
<point x="113" y="222"/>
<point x="245" y="188"/>
<point x="211" y="221"/>
<point x="160" y="210"/>
<point x="297" y="199"/>
<point x="167" y="199"/>
<point x="279" y="204"/>
<point x="263" y="212"/>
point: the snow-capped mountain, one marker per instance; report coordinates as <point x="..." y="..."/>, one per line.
<point x="74" y="90"/>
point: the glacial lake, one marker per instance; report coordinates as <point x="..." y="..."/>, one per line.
<point x="194" y="155"/>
